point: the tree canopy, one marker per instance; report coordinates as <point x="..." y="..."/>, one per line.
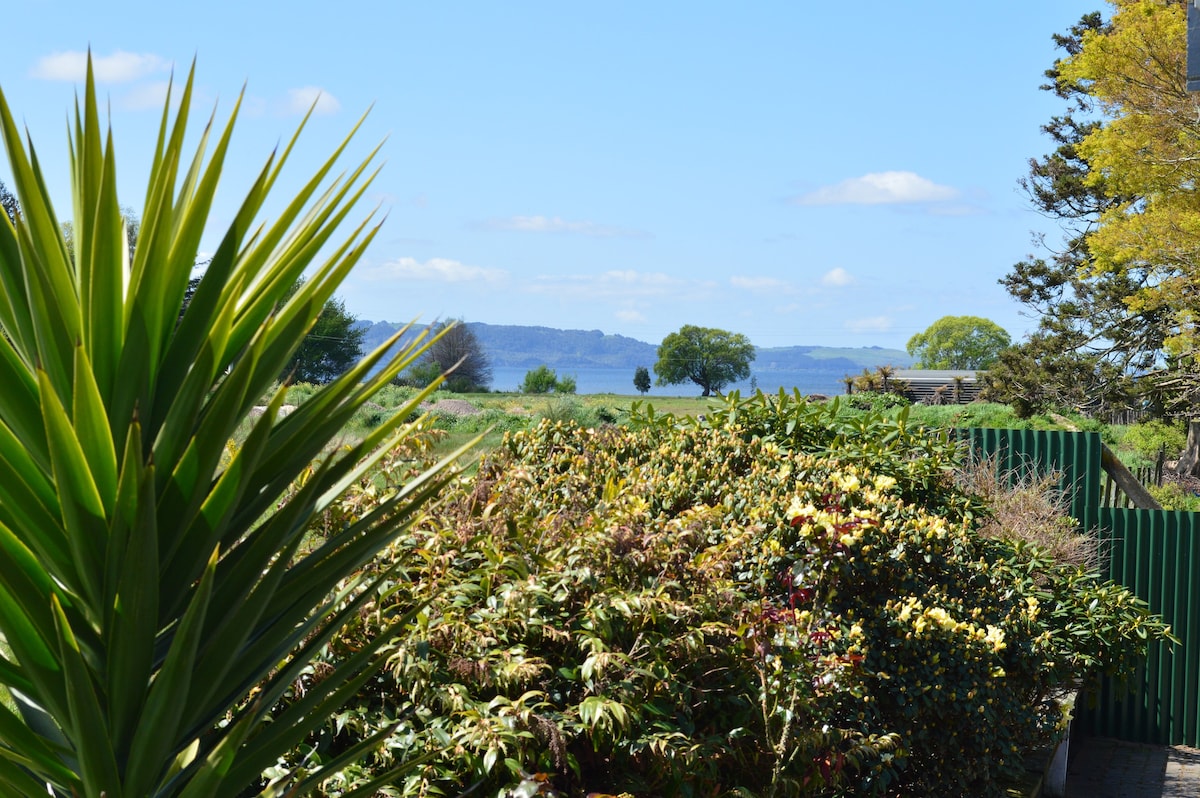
<point x="329" y="349"/>
<point x="641" y="379"/>
<point x="1115" y="297"/>
<point x="959" y="342"/>
<point x="458" y="353"/>
<point x="709" y="357"/>
<point x="544" y="379"/>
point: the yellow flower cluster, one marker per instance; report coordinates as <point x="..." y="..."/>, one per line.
<point x="923" y="618"/>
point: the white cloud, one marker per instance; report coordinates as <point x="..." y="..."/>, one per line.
<point x="836" y="278"/>
<point x="631" y="316"/>
<point x="116" y="68"/>
<point x="441" y="270"/>
<point x="555" y="224"/>
<point x="880" y="188"/>
<point x="872" y="324"/>
<point x="617" y="283"/>
<point x="300" y="100"/>
<point x="147" y="96"/>
<point x="763" y="284"/>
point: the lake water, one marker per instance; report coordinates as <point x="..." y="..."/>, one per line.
<point x="620" y="381"/>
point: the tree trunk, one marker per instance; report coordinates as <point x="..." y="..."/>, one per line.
<point x="1189" y="461"/>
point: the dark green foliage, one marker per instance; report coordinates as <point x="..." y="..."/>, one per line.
<point x="539" y="380"/>
<point x="1089" y="342"/>
<point x="641" y="379"/>
<point x="330" y="348"/>
<point x="543" y="379"/>
<point x="706" y="356"/>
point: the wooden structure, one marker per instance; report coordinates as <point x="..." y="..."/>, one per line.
<point x="939" y="386"/>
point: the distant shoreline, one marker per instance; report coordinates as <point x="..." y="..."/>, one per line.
<point x="592" y="380"/>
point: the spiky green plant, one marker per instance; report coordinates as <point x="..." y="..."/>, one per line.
<point x="153" y="599"/>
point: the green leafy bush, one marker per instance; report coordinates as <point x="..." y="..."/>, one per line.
<point x="872" y="400"/>
<point x="1148" y="438"/>
<point x="781" y="599"/>
<point x="542" y="379"/>
<point x="1174" y="496"/>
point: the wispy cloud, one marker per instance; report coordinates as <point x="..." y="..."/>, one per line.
<point x="556" y="224"/>
<point x="631" y="316"/>
<point x="760" y="284"/>
<point x="836" y="278"/>
<point x="441" y="270"/>
<point x="116" y="68"/>
<point x="872" y="324"/>
<point x="300" y="100"/>
<point x="627" y="284"/>
<point x="880" y="188"/>
<point x="147" y="95"/>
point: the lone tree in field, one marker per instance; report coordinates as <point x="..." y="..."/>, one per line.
<point x="458" y="354"/>
<point x="959" y="342"/>
<point x="641" y="379"/>
<point x="709" y="357"/>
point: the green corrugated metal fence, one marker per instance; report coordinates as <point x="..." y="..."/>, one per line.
<point x="1155" y="553"/>
<point x="1025" y="452"/>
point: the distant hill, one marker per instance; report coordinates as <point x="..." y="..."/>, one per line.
<point x="518" y="346"/>
<point x="791" y="358"/>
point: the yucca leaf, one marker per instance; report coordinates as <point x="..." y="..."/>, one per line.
<point x="100" y="240"/>
<point x="216" y="292"/>
<point x="46" y="329"/>
<point x="27" y="584"/>
<point x="291" y="786"/>
<point x="82" y="507"/>
<point x="266" y="295"/>
<point x="95" y="437"/>
<point x="207" y="776"/>
<point x="370" y="788"/>
<point x="22" y="746"/>
<point x="176" y="430"/>
<point x="293" y="724"/>
<point x="290" y="646"/>
<point x="212" y="522"/>
<point x="14" y="317"/>
<point x="85" y="722"/>
<point x="16" y="781"/>
<point x="28" y="502"/>
<point x="173" y="588"/>
<point x="133" y="608"/>
<point x="158" y="728"/>
<point x="288" y="604"/>
<point x="160" y="203"/>
<point x="41" y="671"/>
<point x="161" y="290"/>
<point x="20" y="408"/>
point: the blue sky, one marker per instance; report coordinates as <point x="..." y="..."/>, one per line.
<point x="833" y="174"/>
